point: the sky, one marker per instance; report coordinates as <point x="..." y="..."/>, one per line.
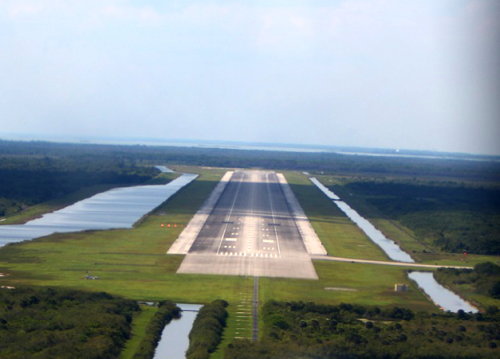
<point x="413" y="74"/>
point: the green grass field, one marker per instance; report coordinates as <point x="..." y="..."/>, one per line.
<point x="364" y="284"/>
<point x="133" y="263"/>
<point x="339" y="235"/>
<point x="239" y="322"/>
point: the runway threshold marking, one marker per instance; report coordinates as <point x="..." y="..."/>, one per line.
<point x="272" y="213"/>
<point x="244" y="254"/>
<point x="230" y="212"/>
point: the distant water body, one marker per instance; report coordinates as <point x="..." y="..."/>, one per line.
<point x="113" y="209"/>
<point x="317" y="149"/>
<point x="388" y="246"/>
<point x="342" y="150"/>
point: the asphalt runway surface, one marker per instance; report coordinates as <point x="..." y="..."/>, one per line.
<point x="250" y="231"/>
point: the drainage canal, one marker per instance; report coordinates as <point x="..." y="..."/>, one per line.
<point x="174" y="339"/>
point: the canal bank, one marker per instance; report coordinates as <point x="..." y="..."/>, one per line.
<point x="175" y="336"/>
<point x="390" y="248"/>
<point x="439" y="295"/>
<point x="113" y="209"/>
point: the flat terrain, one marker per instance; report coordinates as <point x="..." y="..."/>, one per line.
<point x="406" y="238"/>
<point x="250" y="231"/>
<point x="133" y="263"/>
<point x="339" y="235"/>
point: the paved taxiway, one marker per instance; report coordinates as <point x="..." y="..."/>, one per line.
<point x="250" y="231"/>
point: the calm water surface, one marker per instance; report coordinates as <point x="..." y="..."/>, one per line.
<point x="116" y="208"/>
<point x="388" y="246"/>
<point x="174" y="338"/>
<point x="443" y="297"/>
<point x="323" y="189"/>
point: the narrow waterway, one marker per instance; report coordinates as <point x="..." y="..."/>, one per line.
<point x="388" y="246"/>
<point x="441" y="296"/>
<point x="116" y="208"/>
<point x="174" y="339"/>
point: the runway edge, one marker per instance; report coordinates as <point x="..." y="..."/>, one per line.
<point x="311" y="240"/>
<point x="187" y="237"/>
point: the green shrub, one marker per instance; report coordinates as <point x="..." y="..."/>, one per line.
<point x="166" y="312"/>
<point x="207" y="330"/>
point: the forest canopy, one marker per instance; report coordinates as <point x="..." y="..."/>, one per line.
<point x="50" y="323"/>
<point x="347" y="331"/>
<point x="451" y="217"/>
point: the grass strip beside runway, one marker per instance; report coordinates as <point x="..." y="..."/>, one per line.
<point x="126" y="264"/>
<point x="130" y="263"/>
<point x="123" y="260"/>
<point x="371" y="284"/>
<point x="339" y="235"/>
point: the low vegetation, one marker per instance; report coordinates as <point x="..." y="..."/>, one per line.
<point x="139" y="323"/>
<point x="355" y="283"/>
<point x="165" y="313"/>
<point x="55" y="323"/>
<point x="339" y="235"/>
<point x="133" y="262"/>
<point x="129" y="262"/>
<point x="480" y="285"/>
<point x="207" y="330"/>
<point x="309" y="330"/>
<point x="485" y="278"/>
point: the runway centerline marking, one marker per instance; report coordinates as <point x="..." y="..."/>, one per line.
<point x="272" y="213"/>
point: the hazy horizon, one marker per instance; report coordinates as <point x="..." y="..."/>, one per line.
<point x="245" y="145"/>
<point x="416" y="75"/>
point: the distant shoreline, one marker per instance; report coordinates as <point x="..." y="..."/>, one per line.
<point x="259" y="146"/>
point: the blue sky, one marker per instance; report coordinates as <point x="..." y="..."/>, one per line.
<point x="420" y="74"/>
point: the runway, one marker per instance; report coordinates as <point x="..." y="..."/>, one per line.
<point x="250" y="231"/>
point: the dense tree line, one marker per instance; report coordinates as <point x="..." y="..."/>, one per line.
<point x="207" y="330"/>
<point x="166" y="312"/>
<point x="30" y="179"/>
<point x="328" y="162"/>
<point x="454" y="218"/>
<point x="308" y="330"/>
<point x="484" y="278"/>
<point x="49" y="323"/>
<point x="33" y="172"/>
